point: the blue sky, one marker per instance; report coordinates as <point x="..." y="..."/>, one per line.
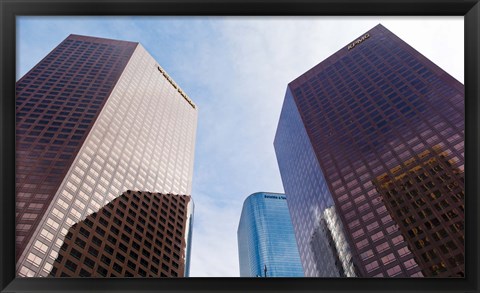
<point x="236" y="70"/>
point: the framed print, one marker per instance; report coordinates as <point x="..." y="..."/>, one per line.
<point x="278" y="146"/>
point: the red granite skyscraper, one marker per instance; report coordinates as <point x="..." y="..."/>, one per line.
<point x="377" y="131"/>
<point x="57" y="104"/>
<point x="95" y="117"/>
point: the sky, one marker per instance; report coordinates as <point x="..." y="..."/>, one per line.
<point x="236" y="70"/>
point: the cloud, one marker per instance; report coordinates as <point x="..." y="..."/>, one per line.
<point x="214" y="252"/>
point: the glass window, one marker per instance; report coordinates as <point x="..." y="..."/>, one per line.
<point x="394" y="271"/>
<point x="371" y="266"/>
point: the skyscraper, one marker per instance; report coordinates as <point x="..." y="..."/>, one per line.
<point x="377" y="132"/>
<point x="138" y="234"/>
<point x="266" y="243"/>
<point x="95" y="117"/>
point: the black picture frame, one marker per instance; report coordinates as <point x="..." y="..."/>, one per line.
<point x="470" y="9"/>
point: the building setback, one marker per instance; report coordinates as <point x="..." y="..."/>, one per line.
<point x="377" y="131"/>
<point x="266" y="242"/>
<point x="95" y="117"/>
<point x="138" y="234"/>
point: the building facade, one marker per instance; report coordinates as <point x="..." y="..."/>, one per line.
<point x="377" y="132"/>
<point x="266" y="242"/>
<point x="95" y="117"/>
<point x="138" y="234"/>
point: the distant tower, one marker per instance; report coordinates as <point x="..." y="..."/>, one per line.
<point x="266" y="242"/>
<point x="95" y="117"/>
<point x="377" y="132"/>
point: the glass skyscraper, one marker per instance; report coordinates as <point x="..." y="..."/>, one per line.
<point x="95" y="118"/>
<point x="266" y="242"/>
<point x="376" y="132"/>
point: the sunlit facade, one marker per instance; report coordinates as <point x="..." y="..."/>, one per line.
<point x="266" y="242"/>
<point x="95" y="117"/>
<point x="310" y="200"/>
<point x="377" y="131"/>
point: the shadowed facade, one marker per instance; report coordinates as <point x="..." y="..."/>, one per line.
<point x="139" y="234"/>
